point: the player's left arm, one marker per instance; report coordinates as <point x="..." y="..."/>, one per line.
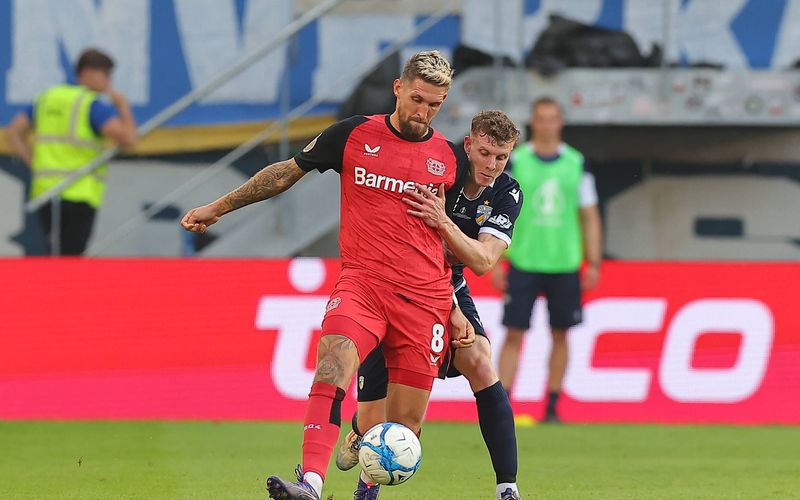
<point x="480" y="255"/>
<point x="494" y="236"/>
<point x="591" y="230"/>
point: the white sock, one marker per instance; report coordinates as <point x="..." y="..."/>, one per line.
<point x="503" y="487"/>
<point x="365" y="477"/>
<point x="315" y="480"/>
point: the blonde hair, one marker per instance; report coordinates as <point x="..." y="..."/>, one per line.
<point x="429" y="66"/>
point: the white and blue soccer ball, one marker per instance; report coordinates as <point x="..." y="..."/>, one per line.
<point x="390" y="453"/>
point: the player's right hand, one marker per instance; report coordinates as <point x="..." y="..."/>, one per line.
<point x="198" y="219"/>
<point x="462" y="332"/>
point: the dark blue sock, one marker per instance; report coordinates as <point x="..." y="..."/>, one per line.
<point x="497" y="426"/>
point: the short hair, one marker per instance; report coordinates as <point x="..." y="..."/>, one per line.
<point x="497" y="126"/>
<point x="546" y="100"/>
<point x="94" y="59"/>
<point x="430" y="66"/>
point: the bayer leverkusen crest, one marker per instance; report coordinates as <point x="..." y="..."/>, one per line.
<point x="435" y="167"/>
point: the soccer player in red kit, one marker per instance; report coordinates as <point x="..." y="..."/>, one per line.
<point x="394" y="287"/>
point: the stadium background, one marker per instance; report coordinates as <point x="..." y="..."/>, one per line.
<point x="696" y="164"/>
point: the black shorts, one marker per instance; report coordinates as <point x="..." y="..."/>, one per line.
<point x="373" y="377"/>
<point x="562" y="290"/>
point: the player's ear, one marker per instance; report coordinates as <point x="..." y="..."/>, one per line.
<point x="467" y="144"/>
<point x="396" y="87"/>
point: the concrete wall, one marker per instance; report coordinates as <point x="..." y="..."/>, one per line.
<point x="658" y="218"/>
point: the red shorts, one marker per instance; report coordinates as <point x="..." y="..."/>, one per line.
<point x="412" y="333"/>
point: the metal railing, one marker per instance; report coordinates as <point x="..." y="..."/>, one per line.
<point x="184" y="102"/>
<point x="297" y="112"/>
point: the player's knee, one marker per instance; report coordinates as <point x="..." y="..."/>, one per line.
<point x="483" y="375"/>
<point x="476" y="364"/>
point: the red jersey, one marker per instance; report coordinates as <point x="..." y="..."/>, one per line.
<point x="377" y="234"/>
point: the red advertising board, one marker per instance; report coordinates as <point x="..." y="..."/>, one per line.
<point x="235" y="339"/>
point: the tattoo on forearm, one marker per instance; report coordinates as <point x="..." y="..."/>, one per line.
<point x="268" y="182"/>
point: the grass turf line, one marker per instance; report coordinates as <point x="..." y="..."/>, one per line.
<point x="230" y="460"/>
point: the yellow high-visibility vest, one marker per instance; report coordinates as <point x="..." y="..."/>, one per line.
<point x="65" y="142"/>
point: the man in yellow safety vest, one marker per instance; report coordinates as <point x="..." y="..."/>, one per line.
<point x="70" y="123"/>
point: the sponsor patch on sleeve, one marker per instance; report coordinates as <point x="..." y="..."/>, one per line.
<point x="501" y="220"/>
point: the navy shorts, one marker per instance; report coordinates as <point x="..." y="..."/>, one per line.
<point x="562" y="290"/>
<point x="373" y="377"/>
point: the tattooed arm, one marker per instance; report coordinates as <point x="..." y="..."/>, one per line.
<point x="268" y="182"/>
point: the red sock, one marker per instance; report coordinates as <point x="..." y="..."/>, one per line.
<point x="321" y="426"/>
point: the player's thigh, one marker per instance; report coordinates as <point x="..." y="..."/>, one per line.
<point x="416" y="339"/>
<point x="373" y="378"/>
<point x="563" y="292"/>
<point x="523" y="288"/>
<point x="467" y="306"/>
<point x="354" y="311"/>
<point x="406" y="405"/>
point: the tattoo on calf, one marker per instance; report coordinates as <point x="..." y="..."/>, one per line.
<point x="329" y="370"/>
<point x="332" y="366"/>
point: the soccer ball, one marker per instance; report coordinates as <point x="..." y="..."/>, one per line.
<point x="390" y="453"/>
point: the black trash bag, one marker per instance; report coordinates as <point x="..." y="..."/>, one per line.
<point x="465" y="57"/>
<point x="566" y="43"/>
<point x="374" y="95"/>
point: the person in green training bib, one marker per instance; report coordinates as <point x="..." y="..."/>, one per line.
<point x="557" y="229"/>
<point x="70" y="123"/>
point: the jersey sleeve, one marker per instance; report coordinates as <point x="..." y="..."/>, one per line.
<point x="587" y="194"/>
<point x="326" y="151"/>
<point x="506" y="205"/>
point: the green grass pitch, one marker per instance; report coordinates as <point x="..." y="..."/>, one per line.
<point x="227" y="460"/>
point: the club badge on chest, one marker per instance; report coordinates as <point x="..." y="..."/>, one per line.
<point x="484" y="211"/>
